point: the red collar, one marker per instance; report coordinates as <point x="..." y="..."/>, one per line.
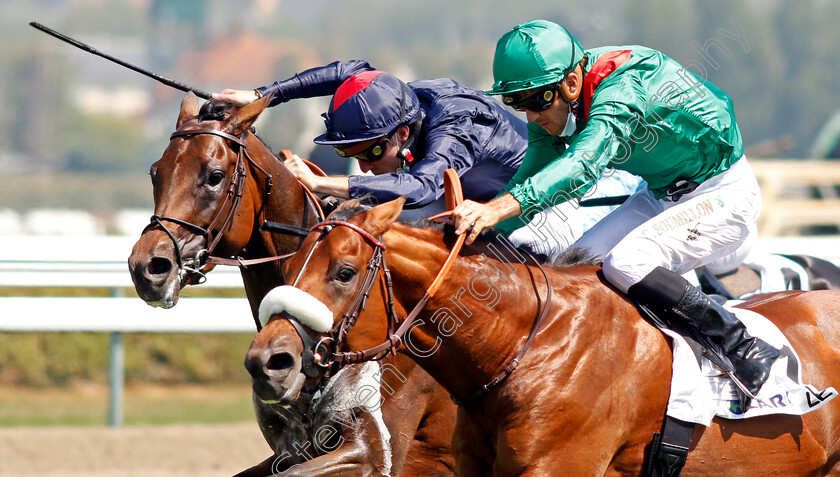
<point x="605" y="66"/>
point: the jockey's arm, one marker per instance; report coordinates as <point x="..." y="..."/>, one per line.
<point x="560" y="173"/>
<point x="319" y="81"/>
<point x="335" y="186"/>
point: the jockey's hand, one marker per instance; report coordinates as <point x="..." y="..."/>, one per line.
<point x="236" y="97"/>
<point x="473" y="217"/>
<point x="299" y="169"/>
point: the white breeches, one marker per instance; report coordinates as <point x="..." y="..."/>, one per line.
<point x="714" y="225"/>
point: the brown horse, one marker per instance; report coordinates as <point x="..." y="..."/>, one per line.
<point x="214" y="186"/>
<point x="204" y="192"/>
<point x="589" y="393"/>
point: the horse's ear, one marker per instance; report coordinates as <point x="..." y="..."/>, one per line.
<point x="242" y="118"/>
<point x="378" y="219"/>
<point x="189" y="109"/>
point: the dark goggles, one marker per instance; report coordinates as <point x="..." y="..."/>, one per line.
<point x="532" y="101"/>
<point x="372" y="154"/>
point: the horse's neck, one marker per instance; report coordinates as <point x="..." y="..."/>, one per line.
<point x="480" y="300"/>
<point x="483" y="313"/>
<point x="285" y="203"/>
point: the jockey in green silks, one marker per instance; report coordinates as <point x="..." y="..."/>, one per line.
<point x="634" y="109"/>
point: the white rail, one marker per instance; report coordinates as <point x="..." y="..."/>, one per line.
<point x="101" y="262"/>
<point x="124" y="315"/>
<point x="93" y="261"/>
<point x="826" y="247"/>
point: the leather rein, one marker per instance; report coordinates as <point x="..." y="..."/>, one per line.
<point x="195" y="266"/>
<point x="397" y="328"/>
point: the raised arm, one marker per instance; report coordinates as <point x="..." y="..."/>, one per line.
<point x="319" y="81"/>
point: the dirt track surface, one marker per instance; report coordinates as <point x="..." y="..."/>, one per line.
<point x="147" y="451"/>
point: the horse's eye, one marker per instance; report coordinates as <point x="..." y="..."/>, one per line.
<point x="215" y="178"/>
<point x="345" y="275"/>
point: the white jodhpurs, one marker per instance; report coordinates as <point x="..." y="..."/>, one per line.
<point x="551" y="231"/>
<point x="710" y="225"/>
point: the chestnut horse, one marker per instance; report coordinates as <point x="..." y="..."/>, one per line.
<point x="592" y="388"/>
<point x="214" y="186"/>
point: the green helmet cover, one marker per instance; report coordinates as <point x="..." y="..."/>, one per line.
<point x="533" y="54"/>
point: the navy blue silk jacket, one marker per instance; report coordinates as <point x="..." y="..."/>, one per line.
<point x="462" y="129"/>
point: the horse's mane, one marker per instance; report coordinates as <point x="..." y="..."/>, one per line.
<point x="349" y="209"/>
<point x="570" y="257"/>
<point x="575" y="256"/>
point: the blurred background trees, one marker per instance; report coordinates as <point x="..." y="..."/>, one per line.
<point x="66" y="110"/>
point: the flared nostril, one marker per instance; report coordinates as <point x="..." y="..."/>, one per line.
<point x="254" y="364"/>
<point x="258" y="367"/>
<point x="280" y="361"/>
<point x="159" y="266"/>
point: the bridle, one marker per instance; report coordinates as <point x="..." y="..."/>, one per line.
<point x="340" y="329"/>
<point x="397" y="328"/>
<point x="193" y="269"/>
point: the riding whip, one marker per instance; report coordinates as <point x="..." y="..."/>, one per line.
<point x="599" y="201"/>
<point x="90" y="49"/>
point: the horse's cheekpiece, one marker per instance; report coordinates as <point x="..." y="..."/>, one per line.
<point x="340" y="329"/>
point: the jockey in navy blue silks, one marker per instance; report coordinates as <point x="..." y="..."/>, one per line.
<point x="407" y="135"/>
<point x="452" y="126"/>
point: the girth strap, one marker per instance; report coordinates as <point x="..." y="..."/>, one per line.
<point x="669" y="448"/>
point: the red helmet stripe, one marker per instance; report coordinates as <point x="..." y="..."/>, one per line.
<point x="353" y="85"/>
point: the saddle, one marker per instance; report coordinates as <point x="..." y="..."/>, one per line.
<point x="701" y="392"/>
<point x="668" y="449"/>
<point x="763" y="273"/>
<point x="730" y="285"/>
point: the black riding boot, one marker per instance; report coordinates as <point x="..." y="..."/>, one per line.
<point x="751" y="357"/>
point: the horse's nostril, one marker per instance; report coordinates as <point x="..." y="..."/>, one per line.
<point x="280" y="361"/>
<point x="159" y="266"/>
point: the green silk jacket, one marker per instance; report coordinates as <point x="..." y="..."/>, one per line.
<point x="643" y="113"/>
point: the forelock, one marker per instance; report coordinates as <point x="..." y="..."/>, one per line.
<point x="214" y="110"/>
